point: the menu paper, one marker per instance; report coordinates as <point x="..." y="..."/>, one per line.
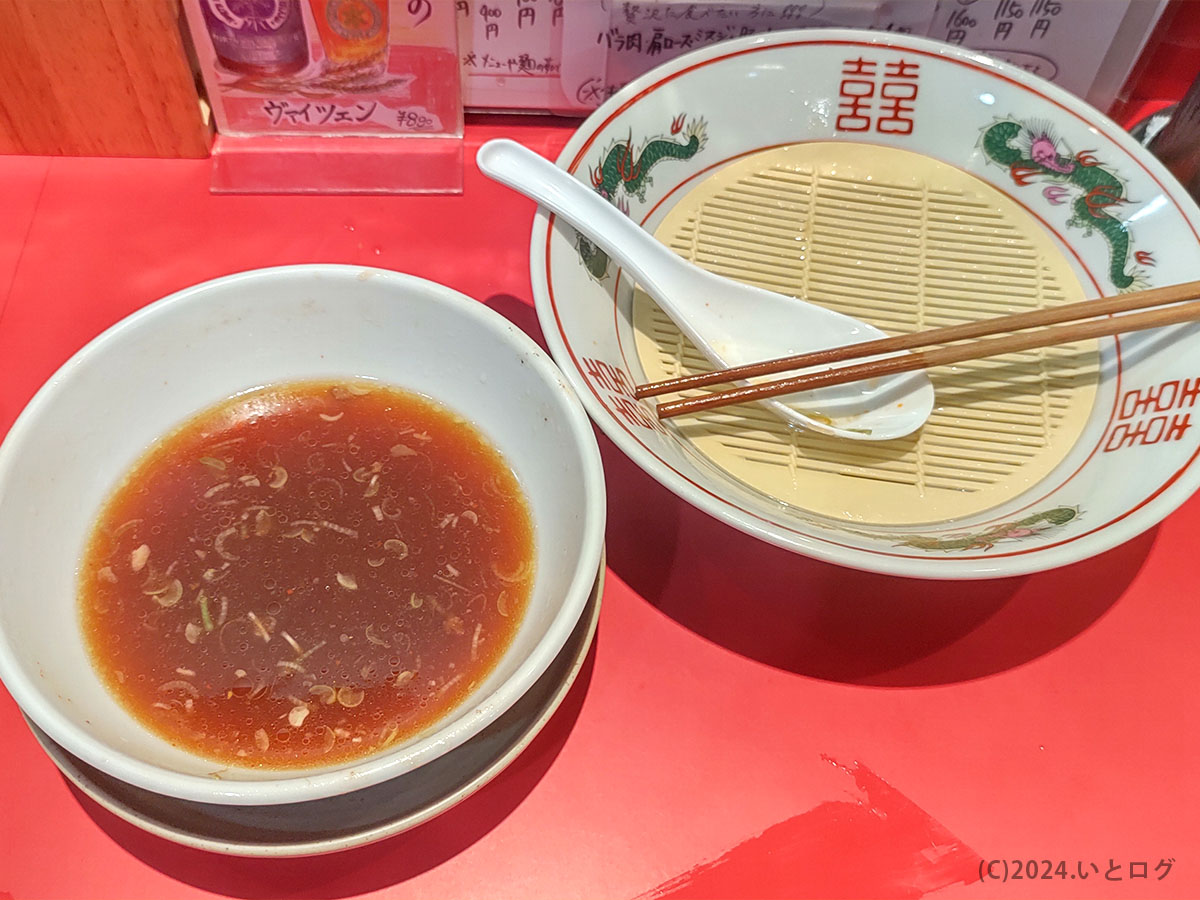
<point x="634" y="37"/>
<point x="511" y="53"/>
<point x="571" y="55"/>
<point x="1068" y="42"/>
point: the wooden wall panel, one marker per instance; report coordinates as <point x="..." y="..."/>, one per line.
<point x="97" y="78"/>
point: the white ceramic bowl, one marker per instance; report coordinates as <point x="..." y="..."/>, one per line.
<point x="1113" y="211"/>
<point x="159" y="366"/>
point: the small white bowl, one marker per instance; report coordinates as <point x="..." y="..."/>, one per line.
<point x="156" y="368"/>
<point x="1110" y="209"/>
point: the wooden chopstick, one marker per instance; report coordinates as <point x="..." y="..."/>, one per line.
<point x="924" y="359"/>
<point x="1054" y="315"/>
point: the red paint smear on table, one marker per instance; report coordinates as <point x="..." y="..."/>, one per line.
<point x="882" y="845"/>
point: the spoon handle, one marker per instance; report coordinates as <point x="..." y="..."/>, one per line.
<point x="652" y="265"/>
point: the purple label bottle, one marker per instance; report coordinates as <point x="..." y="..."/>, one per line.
<point x="257" y="37"/>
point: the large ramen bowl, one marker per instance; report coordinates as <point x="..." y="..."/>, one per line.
<point x="913" y="184"/>
<point x="158" y="367"/>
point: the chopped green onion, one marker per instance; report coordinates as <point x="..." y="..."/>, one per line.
<point x="205" y="616"/>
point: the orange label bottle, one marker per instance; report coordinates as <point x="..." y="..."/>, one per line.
<point x="354" y="33"/>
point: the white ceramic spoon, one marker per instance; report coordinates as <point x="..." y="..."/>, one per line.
<point x="729" y="322"/>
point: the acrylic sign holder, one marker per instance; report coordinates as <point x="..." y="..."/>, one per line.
<point x="331" y="96"/>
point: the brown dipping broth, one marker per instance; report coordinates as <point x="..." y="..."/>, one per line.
<point x="306" y="574"/>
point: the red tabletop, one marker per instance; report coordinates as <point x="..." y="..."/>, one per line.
<point x="749" y="722"/>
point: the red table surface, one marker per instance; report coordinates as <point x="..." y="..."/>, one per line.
<point x="749" y="723"/>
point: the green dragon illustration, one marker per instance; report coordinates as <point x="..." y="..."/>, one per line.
<point x="624" y="172"/>
<point x="988" y="537"/>
<point x="1030" y="153"/>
